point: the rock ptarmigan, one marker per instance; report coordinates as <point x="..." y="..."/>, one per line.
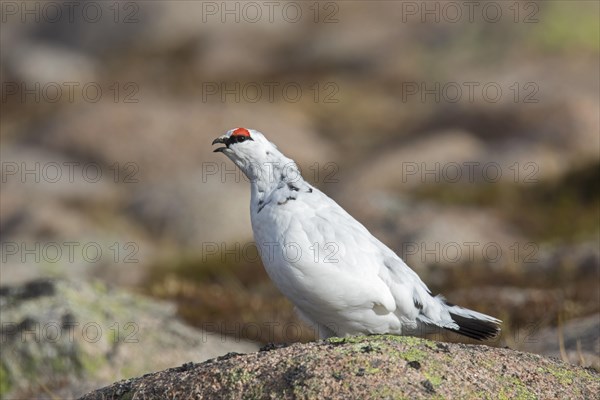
<point x="341" y="278"/>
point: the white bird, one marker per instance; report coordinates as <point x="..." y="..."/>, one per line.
<point x="341" y="279"/>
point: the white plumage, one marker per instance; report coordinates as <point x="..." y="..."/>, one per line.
<point x="341" y="279"/>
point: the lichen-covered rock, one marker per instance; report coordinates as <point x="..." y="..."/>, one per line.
<point x="62" y="339"/>
<point x="375" y="367"/>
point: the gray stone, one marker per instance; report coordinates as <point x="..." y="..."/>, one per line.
<point x="65" y="338"/>
<point x="372" y="367"/>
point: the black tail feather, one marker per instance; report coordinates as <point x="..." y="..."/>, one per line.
<point x="475" y="328"/>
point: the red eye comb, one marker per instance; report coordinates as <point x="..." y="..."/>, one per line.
<point x="241" y="132"/>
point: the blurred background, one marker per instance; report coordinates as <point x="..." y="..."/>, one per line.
<point x="464" y="135"/>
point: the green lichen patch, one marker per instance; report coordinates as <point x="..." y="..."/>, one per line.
<point x="5" y="383"/>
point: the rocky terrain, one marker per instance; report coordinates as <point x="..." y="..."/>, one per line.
<point x="493" y="201"/>
<point x="377" y="367"/>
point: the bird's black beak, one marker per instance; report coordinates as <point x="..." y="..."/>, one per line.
<point x="222" y="140"/>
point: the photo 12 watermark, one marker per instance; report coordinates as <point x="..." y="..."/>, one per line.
<point x="69" y="331"/>
<point x="452" y="12"/>
<point x="325" y="173"/>
<point x="70" y="252"/>
<point x="466" y="252"/>
<point x="469" y="92"/>
<point x="67" y="172"/>
<point x="251" y="12"/>
<point x="70" y="92"/>
<point x="270" y="92"/>
<point x="71" y="12"/>
<point x="469" y="172"/>
<point x="292" y="252"/>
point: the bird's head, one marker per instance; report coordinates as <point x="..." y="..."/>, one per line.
<point x="250" y="151"/>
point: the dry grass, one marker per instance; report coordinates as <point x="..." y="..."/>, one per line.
<point x="237" y="298"/>
<point x="564" y="210"/>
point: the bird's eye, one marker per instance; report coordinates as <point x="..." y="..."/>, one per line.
<point x="241" y="138"/>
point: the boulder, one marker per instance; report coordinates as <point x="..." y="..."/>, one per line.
<point x="373" y="367"/>
<point x="62" y="339"/>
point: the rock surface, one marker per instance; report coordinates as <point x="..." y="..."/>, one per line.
<point x="62" y="339"/>
<point x="366" y="367"/>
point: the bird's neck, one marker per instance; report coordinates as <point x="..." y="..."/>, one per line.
<point x="273" y="174"/>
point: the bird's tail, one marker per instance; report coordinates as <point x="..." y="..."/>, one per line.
<point x="472" y="323"/>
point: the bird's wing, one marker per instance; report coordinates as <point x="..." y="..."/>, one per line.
<point x="377" y="268"/>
